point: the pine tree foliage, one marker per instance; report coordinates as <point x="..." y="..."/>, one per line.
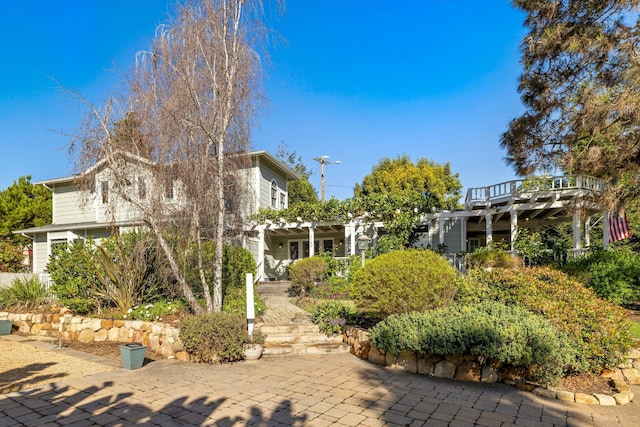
<point x="581" y="90"/>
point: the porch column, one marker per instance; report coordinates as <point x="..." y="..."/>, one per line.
<point x="606" y="231"/>
<point x="312" y="238"/>
<point x="488" y="219"/>
<point x="441" y="231"/>
<point x="433" y="227"/>
<point x="514" y="228"/>
<point x="576" y="234"/>
<point x="348" y="247"/>
<point x="260" y="255"/>
<point x="463" y="234"/>
<point x="352" y="240"/>
<point x="587" y="232"/>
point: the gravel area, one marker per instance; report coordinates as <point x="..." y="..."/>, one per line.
<point x="27" y="363"/>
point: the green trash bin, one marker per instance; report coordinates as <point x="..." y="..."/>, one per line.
<point x="132" y="355"/>
<point x="5" y="327"/>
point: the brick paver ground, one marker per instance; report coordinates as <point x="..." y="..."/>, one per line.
<point x="337" y="389"/>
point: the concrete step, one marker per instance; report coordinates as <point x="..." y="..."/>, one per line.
<point x="310" y="338"/>
<point x="273" y="289"/>
<point x="297" y="349"/>
<point x="289" y="329"/>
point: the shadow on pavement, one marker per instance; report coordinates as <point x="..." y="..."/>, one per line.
<point x="98" y="406"/>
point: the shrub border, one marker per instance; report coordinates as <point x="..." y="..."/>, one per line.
<point x="359" y="340"/>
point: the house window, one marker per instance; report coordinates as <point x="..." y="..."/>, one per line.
<point x="104" y="191"/>
<point x="283" y="201"/>
<point x="316" y="248"/>
<point x="168" y="189"/>
<point x="319" y="246"/>
<point x="58" y="245"/>
<point x="293" y="250"/>
<point x="142" y="188"/>
<point x="274" y="194"/>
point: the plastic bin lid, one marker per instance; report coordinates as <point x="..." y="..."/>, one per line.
<point x="133" y="345"/>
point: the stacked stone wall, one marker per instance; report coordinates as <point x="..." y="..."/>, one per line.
<point x="158" y="337"/>
<point x="468" y="367"/>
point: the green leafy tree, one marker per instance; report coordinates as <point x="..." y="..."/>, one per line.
<point x="399" y="190"/>
<point x="301" y="190"/>
<point x="22" y="205"/>
<point x="581" y="90"/>
<point x="432" y="182"/>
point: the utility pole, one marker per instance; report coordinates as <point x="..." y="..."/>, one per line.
<point x="323" y="161"/>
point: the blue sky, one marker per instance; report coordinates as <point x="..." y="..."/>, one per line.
<point x="355" y="80"/>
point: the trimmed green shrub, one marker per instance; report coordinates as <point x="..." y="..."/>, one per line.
<point x="73" y="271"/>
<point x="305" y="273"/>
<point x="404" y="281"/>
<point x="614" y="274"/>
<point x="599" y="330"/>
<point x="509" y="334"/>
<point x="23" y="293"/>
<point x="236" y="262"/>
<point x="214" y="337"/>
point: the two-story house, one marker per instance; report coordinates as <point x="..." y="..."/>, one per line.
<point x="94" y="212"/>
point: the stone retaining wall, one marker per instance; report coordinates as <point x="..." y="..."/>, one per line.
<point x="158" y="337"/>
<point x="471" y="368"/>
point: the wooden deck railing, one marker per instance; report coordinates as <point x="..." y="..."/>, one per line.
<point x="492" y="193"/>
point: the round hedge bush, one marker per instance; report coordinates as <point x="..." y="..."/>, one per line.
<point x="404" y="281"/>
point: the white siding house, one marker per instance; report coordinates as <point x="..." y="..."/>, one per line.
<point x="94" y="213"/>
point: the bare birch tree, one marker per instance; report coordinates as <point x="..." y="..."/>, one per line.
<point x="186" y="115"/>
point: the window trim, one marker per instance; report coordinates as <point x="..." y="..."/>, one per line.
<point x="274" y="194"/>
<point x="104" y="192"/>
<point x="318" y="243"/>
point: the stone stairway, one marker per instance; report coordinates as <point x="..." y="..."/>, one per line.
<point x="289" y="329"/>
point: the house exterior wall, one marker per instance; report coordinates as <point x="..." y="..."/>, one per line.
<point x="266" y="176"/>
<point x="40" y="252"/>
<point x="116" y="208"/>
<point x="453" y="237"/>
<point x="67" y="205"/>
<point x="85" y="214"/>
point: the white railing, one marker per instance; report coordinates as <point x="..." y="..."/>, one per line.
<point x="483" y="195"/>
<point x="45" y="279"/>
<point x="457" y="261"/>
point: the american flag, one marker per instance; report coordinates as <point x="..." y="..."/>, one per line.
<point x="618" y="227"/>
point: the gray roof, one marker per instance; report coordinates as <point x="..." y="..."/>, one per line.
<point x="73" y="226"/>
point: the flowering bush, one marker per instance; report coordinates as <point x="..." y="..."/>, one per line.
<point x="155" y="312"/>
<point x="331" y="317"/>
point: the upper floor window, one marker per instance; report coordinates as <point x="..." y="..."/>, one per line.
<point x="142" y="188"/>
<point x="104" y="191"/>
<point x="283" y="201"/>
<point x="274" y="194"/>
<point x="168" y="189"/>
